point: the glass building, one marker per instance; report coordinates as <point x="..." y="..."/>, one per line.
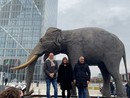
<point x="22" y="23"/>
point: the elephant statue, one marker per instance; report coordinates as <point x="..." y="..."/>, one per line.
<point x="101" y="48"/>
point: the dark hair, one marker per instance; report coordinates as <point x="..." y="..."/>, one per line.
<point x="10" y="92"/>
<point x="64" y="58"/>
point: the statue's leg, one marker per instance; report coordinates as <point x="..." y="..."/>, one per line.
<point x="73" y="61"/>
<point x="113" y="68"/>
<point x="73" y="91"/>
<point x="74" y="52"/>
<point x="106" y="80"/>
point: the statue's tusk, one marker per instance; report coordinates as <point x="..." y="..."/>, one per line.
<point x="34" y="57"/>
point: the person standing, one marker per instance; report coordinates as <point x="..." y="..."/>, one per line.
<point x="51" y="69"/>
<point x="128" y="89"/>
<point x="6" y="81"/>
<point x="112" y="88"/>
<point x="82" y="77"/>
<point x="65" y="77"/>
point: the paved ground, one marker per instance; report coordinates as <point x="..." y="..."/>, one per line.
<point x="1" y="87"/>
<point x="41" y="89"/>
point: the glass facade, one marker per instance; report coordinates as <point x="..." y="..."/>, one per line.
<point x="22" y="23"/>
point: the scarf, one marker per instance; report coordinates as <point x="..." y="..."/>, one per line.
<point x="52" y="63"/>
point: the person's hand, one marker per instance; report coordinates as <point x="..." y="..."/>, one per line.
<point x="59" y="84"/>
<point x="74" y="81"/>
<point x="88" y="82"/>
<point x="51" y="75"/>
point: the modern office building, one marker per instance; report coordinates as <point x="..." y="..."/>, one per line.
<point x="22" y="23"/>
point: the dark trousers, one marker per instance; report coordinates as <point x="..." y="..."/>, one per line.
<point x="63" y="93"/>
<point x="82" y="92"/>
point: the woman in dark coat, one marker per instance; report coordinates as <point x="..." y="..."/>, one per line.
<point x="65" y="77"/>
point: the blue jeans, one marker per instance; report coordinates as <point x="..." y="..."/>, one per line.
<point x="54" y="83"/>
<point x="82" y="92"/>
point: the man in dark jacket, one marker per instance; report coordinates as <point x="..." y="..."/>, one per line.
<point x="128" y="89"/>
<point x="51" y="69"/>
<point x="6" y="81"/>
<point x="112" y="88"/>
<point x="82" y="77"/>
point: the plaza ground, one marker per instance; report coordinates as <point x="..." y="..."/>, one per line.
<point x="94" y="89"/>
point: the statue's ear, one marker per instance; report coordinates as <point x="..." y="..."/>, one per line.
<point x="59" y="36"/>
<point x="54" y="34"/>
<point x="52" y="30"/>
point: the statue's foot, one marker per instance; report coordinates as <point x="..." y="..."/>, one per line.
<point x="106" y="94"/>
<point x="29" y="93"/>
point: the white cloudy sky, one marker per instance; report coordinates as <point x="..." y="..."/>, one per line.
<point x="112" y="15"/>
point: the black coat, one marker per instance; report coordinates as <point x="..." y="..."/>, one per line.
<point x="112" y="86"/>
<point x="128" y="90"/>
<point x="81" y="74"/>
<point x="65" y="77"/>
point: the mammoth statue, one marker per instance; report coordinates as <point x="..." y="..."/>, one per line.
<point x="100" y="47"/>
